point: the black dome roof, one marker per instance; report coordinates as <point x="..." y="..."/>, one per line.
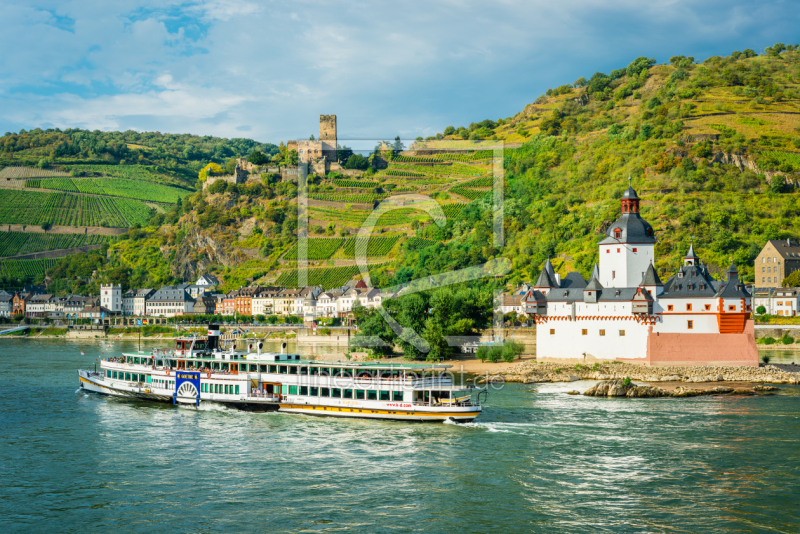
<point x="633" y="229"/>
<point x="630" y="193"/>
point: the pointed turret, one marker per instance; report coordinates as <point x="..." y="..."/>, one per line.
<point x="595" y="272"/>
<point x="691" y="258"/>
<point x="546" y="281"/>
<point x="651" y="278"/>
<point x="592" y="291"/>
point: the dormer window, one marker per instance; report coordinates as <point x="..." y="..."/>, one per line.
<point x="617" y="233"/>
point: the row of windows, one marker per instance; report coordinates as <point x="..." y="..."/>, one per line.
<point x="585" y="332"/>
<point x="225" y="389"/>
<point x="337" y="393"/>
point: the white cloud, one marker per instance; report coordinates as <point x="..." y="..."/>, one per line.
<point x="220" y="67"/>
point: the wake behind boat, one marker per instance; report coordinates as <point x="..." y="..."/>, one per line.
<point x="198" y="371"/>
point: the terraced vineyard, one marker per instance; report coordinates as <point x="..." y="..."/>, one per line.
<point x="28" y="172"/>
<point x="408" y="174"/>
<point x="130" y="172"/>
<point x="25" y="269"/>
<point x="16" y="243"/>
<point x="344" y="197"/>
<point x="28" y="207"/>
<point x="376" y="246"/>
<point x="465" y="157"/>
<point x="318" y="248"/>
<point x="792" y="158"/>
<point x="472" y="194"/>
<point x="355" y="183"/>
<point x="116" y="187"/>
<point x="415" y="243"/>
<point x="326" y="278"/>
<point x="442" y="170"/>
<point x="483" y="181"/>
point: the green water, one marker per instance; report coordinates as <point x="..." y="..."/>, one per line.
<point x="537" y="460"/>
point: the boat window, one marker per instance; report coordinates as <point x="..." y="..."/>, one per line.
<point x="160" y="363"/>
<point x="303" y="390"/>
<point x="292" y="369"/>
<point x="324" y="392"/>
<point x="253" y="368"/>
<point x="360" y="394"/>
<point x="324" y="371"/>
<point x="216" y="388"/>
<point x="108" y="374"/>
<point x="283" y="369"/>
<point x="337" y="371"/>
<point x="336" y="393"/>
<point x="348" y="394"/>
<point x="348" y="373"/>
<point x="314" y="371"/>
<point x="113" y="374"/>
<point x="304" y="371"/>
<point x="385" y="395"/>
<point x="397" y="396"/>
<point x="262" y="368"/>
<point x="225" y="367"/>
<point x="273" y="368"/>
<point x="372" y="394"/>
<point x="237" y="389"/>
<point x="292" y="390"/>
<point x="314" y="391"/>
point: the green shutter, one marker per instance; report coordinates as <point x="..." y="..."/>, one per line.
<point x="292" y="390"/>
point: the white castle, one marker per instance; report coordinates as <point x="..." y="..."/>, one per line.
<point x="626" y="313"/>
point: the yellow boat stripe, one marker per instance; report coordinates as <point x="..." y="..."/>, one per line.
<point x="380" y="412"/>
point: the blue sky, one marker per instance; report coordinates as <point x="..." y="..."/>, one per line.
<point x="267" y="70"/>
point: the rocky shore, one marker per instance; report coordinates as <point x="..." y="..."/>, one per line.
<point x="530" y="372"/>
<point x="626" y="388"/>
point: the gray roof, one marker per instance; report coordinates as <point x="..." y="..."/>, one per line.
<point x="691" y="254"/>
<point x="573" y="280"/>
<point x="545" y="279"/>
<point x="733" y="287"/>
<point x="786" y="248"/>
<point x="630" y="193"/>
<point x="691" y="281"/>
<point x="633" y="229"/>
<point x="594" y="285"/>
<point x="650" y="277"/>
<point x="171" y="294"/>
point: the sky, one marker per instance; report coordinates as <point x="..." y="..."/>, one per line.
<point x="267" y="69"/>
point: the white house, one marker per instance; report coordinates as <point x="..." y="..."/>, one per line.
<point x="6" y="304"/>
<point x="625" y="312"/>
<point x="777" y="300"/>
<point x="169" y="301"/>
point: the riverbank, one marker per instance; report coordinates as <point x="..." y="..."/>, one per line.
<point x="530" y="372"/>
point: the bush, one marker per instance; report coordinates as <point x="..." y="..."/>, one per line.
<point x="761" y="310"/>
<point x="767" y="341"/>
<point x="765" y="358"/>
<point x="511" y="350"/>
<point x="787" y="339"/>
<point x="627" y="381"/>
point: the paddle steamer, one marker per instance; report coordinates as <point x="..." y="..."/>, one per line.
<point x="198" y="371"/>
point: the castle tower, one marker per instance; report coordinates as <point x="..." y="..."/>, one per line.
<point x="328" y="136"/>
<point x="629" y="246"/>
<point x="111" y="297"/>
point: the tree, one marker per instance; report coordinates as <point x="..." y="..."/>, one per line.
<point x="638" y="65"/>
<point x="449" y="130"/>
<point x="312" y="138"/>
<point x="581" y="82"/>
<point x="343" y="154"/>
<point x="357" y="161"/>
<point x="217" y="187"/>
<point x="258" y="158"/>
<point x="793" y="280"/>
<point x="398" y="145"/>
<point x="292" y="158"/>
<point x="210" y="169"/>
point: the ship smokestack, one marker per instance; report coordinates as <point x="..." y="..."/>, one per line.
<point x="213" y="337"/>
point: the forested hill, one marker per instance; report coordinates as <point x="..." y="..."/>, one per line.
<point x="712" y="147"/>
<point x="182" y="155"/>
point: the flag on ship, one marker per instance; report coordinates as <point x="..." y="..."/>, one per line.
<point x="83" y="353"/>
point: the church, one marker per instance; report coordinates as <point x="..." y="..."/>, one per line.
<point x="626" y="313"/>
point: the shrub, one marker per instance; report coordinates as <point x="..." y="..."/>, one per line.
<point x="787" y="339"/>
<point x="761" y="310"/>
<point x="767" y="340"/>
<point x="511" y="350"/>
<point x="765" y="358"/>
<point x="627" y="381"/>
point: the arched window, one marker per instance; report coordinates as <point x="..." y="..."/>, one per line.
<point x="648" y="232"/>
<point x="617" y="233"/>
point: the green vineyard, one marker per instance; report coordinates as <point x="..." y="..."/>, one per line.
<point x="28" y="207"/>
<point x="344" y="197"/>
<point x="416" y="243"/>
<point x="472" y="194"/>
<point x="375" y="246"/>
<point x="130" y="172"/>
<point x="407" y="174"/>
<point x="483" y="181"/>
<point x="355" y="183"/>
<point x="326" y="278"/>
<point x="116" y="187"/>
<point x="25" y="270"/>
<point x="17" y="243"/>
<point x="443" y="170"/>
<point x="463" y="156"/>
<point x="318" y="248"/>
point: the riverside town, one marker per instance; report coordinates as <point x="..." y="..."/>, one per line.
<point x="301" y="268"/>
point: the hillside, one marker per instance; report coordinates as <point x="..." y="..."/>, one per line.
<point x="713" y="149"/>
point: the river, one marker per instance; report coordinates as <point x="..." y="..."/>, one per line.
<point x="537" y="460"/>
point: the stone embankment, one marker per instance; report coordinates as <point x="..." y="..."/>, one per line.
<point x="626" y="388"/>
<point x="530" y="372"/>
